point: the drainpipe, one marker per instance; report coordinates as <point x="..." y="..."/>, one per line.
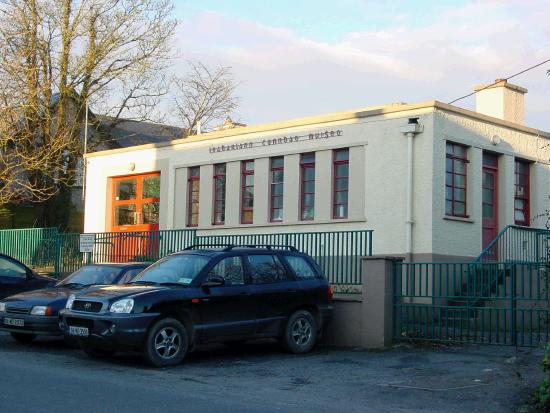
<point x="410" y="130"/>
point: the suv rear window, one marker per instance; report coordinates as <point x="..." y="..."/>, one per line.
<point x="266" y="269"/>
<point x="302" y="268"/>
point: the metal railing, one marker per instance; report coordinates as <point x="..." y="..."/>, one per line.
<point x="337" y="252"/>
<point x="517" y="243"/>
<point x="505" y="303"/>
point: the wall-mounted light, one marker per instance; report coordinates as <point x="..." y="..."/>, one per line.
<point x="132" y="166"/>
<point x="495" y="140"/>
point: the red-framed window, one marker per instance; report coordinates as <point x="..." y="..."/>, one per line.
<point x="521" y="195"/>
<point x="193" y="184"/>
<point x="219" y="194"/>
<point x="307" y="186"/>
<point x="340" y="175"/>
<point x="277" y="176"/>
<point x="247" y="192"/>
<point x="456" y="176"/>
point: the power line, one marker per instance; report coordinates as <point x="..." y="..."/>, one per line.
<point x="500" y="80"/>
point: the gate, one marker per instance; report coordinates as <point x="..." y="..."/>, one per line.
<point x="503" y="303"/>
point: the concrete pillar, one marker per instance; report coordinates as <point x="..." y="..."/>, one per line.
<point x="377" y="307"/>
<point x="261" y="191"/>
<point x="291" y="190"/>
<point x="206" y="191"/>
<point x="233" y="193"/>
<point x="180" y="198"/>
<point x="506" y="189"/>
<point x="357" y="174"/>
<point x="323" y="185"/>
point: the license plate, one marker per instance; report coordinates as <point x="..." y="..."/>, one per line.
<point x="17" y="322"/>
<point x="79" y="331"/>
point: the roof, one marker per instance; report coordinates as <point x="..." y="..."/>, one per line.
<point x="331" y="117"/>
<point x="118" y="264"/>
<point x="111" y="133"/>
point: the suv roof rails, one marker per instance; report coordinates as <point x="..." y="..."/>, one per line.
<point x="229" y="247"/>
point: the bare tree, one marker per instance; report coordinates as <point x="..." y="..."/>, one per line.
<point x="56" y="55"/>
<point x="204" y="95"/>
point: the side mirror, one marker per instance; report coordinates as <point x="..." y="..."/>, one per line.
<point x="213" y="281"/>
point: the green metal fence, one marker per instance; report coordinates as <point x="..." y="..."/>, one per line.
<point x="33" y="246"/>
<point x="337" y="252"/>
<point x="503" y="303"/>
<point x="517" y="243"/>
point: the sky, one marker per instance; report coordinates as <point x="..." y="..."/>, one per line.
<point x="299" y="58"/>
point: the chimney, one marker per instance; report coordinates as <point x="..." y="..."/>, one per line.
<point x="501" y="100"/>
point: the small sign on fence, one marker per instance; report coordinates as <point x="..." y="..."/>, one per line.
<point x="87" y="242"/>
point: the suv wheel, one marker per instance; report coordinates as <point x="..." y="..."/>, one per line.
<point x="300" y="332"/>
<point x="23" y="338"/>
<point x="166" y="343"/>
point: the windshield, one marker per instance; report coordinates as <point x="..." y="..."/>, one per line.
<point x="180" y="269"/>
<point x="92" y="274"/>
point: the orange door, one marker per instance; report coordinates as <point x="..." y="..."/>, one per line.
<point x="136" y="202"/>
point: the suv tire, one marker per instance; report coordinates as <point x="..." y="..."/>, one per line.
<point x="300" y="332"/>
<point x="23" y="338"/>
<point x="166" y="343"/>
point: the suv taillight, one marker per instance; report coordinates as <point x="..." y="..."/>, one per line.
<point x="330" y="292"/>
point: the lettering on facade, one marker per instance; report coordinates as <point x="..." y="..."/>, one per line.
<point x="285" y="140"/>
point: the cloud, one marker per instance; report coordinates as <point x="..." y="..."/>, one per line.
<point x="286" y="75"/>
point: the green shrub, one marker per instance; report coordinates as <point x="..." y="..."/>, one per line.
<point x="542" y="393"/>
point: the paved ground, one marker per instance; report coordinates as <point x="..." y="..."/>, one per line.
<point x="47" y="376"/>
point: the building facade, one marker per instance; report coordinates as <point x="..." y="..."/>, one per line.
<point x="432" y="180"/>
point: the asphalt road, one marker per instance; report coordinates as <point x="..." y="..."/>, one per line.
<point x="46" y="376"/>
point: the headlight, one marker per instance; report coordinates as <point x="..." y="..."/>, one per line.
<point x="2" y="307"/>
<point x="42" y="310"/>
<point x="70" y="301"/>
<point x="122" y="306"/>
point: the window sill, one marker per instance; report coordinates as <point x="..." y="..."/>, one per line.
<point x="459" y="219"/>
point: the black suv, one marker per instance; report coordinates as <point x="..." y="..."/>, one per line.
<point x="205" y="294"/>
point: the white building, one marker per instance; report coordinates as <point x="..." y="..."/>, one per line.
<point x="431" y="179"/>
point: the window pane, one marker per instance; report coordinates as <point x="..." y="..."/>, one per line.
<point x="277" y="176"/>
<point x="309" y="187"/>
<point x="341" y="197"/>
<point x="342" y="155"/>
<point x="460" y="181"/>
<point x="150" y="213"/>
<point x="277" y="162"/>
<point x="248" y="202"/>
<point x="519" y="216"/>
<point x="230" y="269"/>
<point x="301" y="267"/>
<point x="341" y="184"/>
<point x="341" y="171"/>
<point x="308" y="157"/>
<point x="249" y="180"/>
<point x="265" y="269"/>
<point x="125" y="215"/>
<point x="194" y="171"/>
<point x="219" y="169"/>
<point x="308" y="213"/>
<point x="448" y="179"/>
<point x="459" y="150"/>
<point x="276" y="214"/>
<point x="277" y="190"/>
<point x="487" y="195"/>
<point x="126" y="189"/>
<point x="309" y="174"/>
<point x="340" y="211"/>
<point x="488" y="211"/>
<point x="488" y="179"/>
<point x="151" y="187"/>
<point x="449" y="165"/>
<point x="460" y="167"/>
<point x="277" y="202"/>
<point x="460" y="194"/>
<point x="448" y="208"/>
<point x="519" y="204"/>
<point x="308" y="200"/>
<point x="448" y="193"/>
<point x="247" y="216"/>
<point x="11" y="269"/>
<point x="249" y="166"/>
<point x="460" y="208"/>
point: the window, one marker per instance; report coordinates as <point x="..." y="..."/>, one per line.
<point x="136" y="202"/>
<point x="266" y="269"/>
<point x="340" y="173"/>
<point x="129" y="275"/>
<point x="230" y="269"/>
<point x="277" y="173"/>
<point x="219" y="194"/>
<point x="455" y="180"/>
<point x="178" y="268"/>
<point x="193" y="184"/>
<point x="521" y="196"/>
<point x="247" y="192"/>
<point x="301" y="267"/>
<point x="307" y="186"/>
<point x="11" y="269"/>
